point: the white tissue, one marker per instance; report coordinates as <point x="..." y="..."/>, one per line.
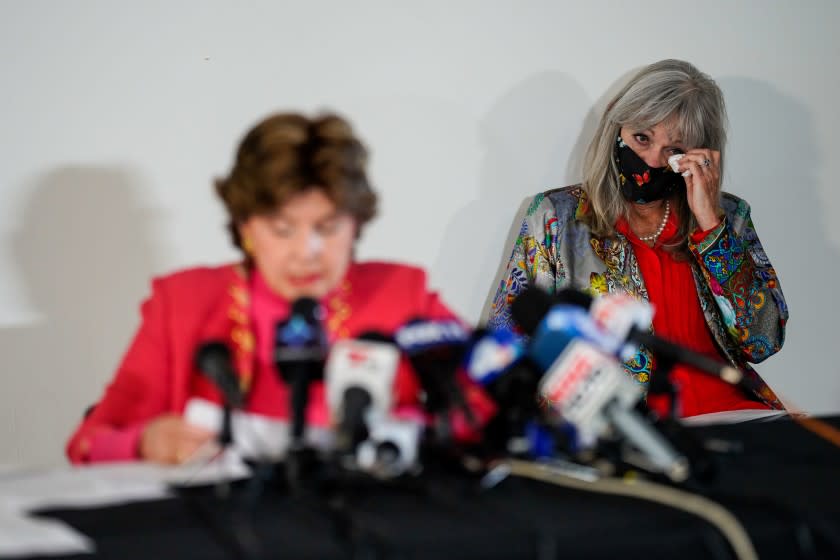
<point x="674" y="160"/>
<point x="316" y="243"/>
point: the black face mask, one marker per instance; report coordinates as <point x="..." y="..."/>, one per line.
<point x="640" y="183"/>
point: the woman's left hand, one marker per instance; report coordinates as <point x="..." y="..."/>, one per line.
<point x="702" y="185"/>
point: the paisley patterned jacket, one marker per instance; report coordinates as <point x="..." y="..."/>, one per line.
<point x="739" y="292"/>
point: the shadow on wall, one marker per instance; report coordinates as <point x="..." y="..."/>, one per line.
<point x="590" y="125"/>
<point x="528" y="136"/>
<point x="85" y="256"/>
<point x="772" y="162"/>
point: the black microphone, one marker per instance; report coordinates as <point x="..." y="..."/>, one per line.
<point x="299" y="353"/>
<point x="583" y="382"/>
<point x="627" y="319"/>
<point x="435" y="349"/>
<point x="497" y="361"/>
<point x="213" y="359"/>
<point x="352" y="428"/>
<point x="529" y="308"/>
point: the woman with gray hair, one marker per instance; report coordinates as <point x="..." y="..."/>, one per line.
<point x="650" y="220"/>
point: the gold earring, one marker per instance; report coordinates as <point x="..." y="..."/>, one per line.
<point x="247" y="245"/>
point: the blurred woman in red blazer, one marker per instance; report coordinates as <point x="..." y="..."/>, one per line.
<point x="297" y="198"/>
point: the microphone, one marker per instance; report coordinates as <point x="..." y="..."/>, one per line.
<point x="392" y="447"/>
<point x="360" y="376"/>
<point x="359" y="385"/>
<point x="497" y="361"/>
<point x="299" y="353"/>
<point x="213" y="359"/>
<point x="592" y="392"/>
<point x="552" y="326"/>
<point x="435" y="349"/>
<point x="586" y="386"/>
<point x="490" y="353"/>
<point x="627" y="320"/>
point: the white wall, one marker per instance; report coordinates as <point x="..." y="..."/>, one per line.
<point x="117" y="115"/>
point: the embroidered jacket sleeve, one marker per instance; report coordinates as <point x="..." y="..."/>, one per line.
<point x="533" y="260"/>
<point x="743" y="282"/>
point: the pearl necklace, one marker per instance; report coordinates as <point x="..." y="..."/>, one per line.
<point x="653" y="237"/>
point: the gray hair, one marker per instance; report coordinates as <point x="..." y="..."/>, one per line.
<point x="668" y="90"/>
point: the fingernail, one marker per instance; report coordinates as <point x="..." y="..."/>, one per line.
<point x="686" y="174"/>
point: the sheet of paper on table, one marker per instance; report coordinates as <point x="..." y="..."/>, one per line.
<point x="734" y="417"/>
<point x="23" y="491"/>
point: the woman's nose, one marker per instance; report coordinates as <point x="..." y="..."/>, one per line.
<point x="299" y="246"/>
<point x="655" y="160"/>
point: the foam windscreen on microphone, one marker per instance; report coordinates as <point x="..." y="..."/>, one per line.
<point x="532" y="305"/>
<point x="435" y="349"/>
<point x="352" y="426"/>
<point x="529" y="308"/>
<point x="300" y="339"/>
<point x="214" y="360"/>
<point x="300" y="350"/>
<point x="376" y="336"/>
<point x="574" y="297"/>
<point x="491" y="352"/>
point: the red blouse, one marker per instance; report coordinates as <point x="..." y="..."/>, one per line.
<point x="679" y="318"/>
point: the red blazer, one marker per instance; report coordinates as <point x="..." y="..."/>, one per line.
<point x="196" y="305"/>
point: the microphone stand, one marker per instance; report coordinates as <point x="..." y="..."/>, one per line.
<point x="301" y="459"/>
<point x="226" y="433"/>
<point x="225" y="441"/>
<point x="661" y="384"/>
<point x="234" y="530"/>
<point x="702" y="464"/>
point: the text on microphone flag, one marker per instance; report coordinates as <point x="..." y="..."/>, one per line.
<point x="414" y="336"/>
<point x="562" y="380"/>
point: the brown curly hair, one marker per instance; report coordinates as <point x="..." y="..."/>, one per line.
<point x="286" y="154"/>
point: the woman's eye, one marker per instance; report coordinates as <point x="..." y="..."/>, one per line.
<point x="281" y="231"/>
<point x="328" y="228"/>
<point x="641" y="138"/>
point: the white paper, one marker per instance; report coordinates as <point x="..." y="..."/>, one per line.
<point x="208" y="466"/>
<point x="21" y="536"/>
<point x="92" y="486"/>
<point x="112" y="483"/>
<point x="255" y="436"/>
<point x="80" y="487"/>
<point x="733" y="417"/>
